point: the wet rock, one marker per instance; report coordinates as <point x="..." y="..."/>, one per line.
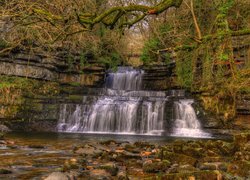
<point x="204" y="175"/>
<point x="241" y="139"/>
<point x="99" y="174"/>
<point x="88" y="150"/>
<point x="110" y="168"/>
<point x="223" y="166"/>
<point x="109" y="142"/>
<point x="226" y="148"/>
<point x="57" y="176"/>
<point x="177" y="146"/>
<point x="70" y="164"/>
<point x="5" y="171"/>
<point x="122" y="175"/>
<point x="213" y="159"/>
<point x="179" y="158"/>
<point x="173" y="168"/>
<point x="153" y="167"/>
<point x="142" y="145"/>
<point x="208" y="166"/>
<point x="193" y="152"/>
<point x="186" y="168"/>
<point x="128" y="155"/>
<point x="242" y="156"/>
<point x="211" y="153"/>
<point x="239" y="168"/>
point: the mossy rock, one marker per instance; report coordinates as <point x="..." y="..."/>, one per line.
<point x="179" y="158"/>
<point x="194" y="152"/>
<point x="239" y="168"/>
<point x="154" y="167"/>
<point x="226" y="148"/>
<point x="110" y="168"/>
<point x="186" y="169"/>
<point x="204" y="175"/>
<point x="208" y="166"/>
<point x="241" y="139"/>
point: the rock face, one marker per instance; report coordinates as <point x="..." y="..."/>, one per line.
<point x="52" y="67"/>
<point x="159" y="77"/>
<point x="38" y="110"/>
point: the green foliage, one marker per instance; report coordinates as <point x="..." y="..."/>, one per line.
<point x="111" y="60"/>
<point x="70" y="61"/>
<point x="167" y="58"/>
<point x="184" y="70"/>
<point x="149" y="50"/>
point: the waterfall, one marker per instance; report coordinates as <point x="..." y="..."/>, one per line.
<point x="123" y="107"/>
<point x="186" y="122"/>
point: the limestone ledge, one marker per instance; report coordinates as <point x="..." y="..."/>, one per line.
<point x="52" y="68"/>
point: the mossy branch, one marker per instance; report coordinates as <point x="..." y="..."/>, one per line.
<point x="112" y="16"/>
<point x="205" y="39"/>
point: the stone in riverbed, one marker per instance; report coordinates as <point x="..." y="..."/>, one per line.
<point x="208" y="166"/>
<point x="57" y="176"/>
<point x="122" y="175"/>
<point x="204" y="175"/>
<point x="99" y="174"/>
<point x="88" y="150"/>
<point x="179" y="158"/>
<point x="186" y="169"/>
<point x="154" y="167"/>
<point x="241" y="139"/>
<point x="110" y="168"/>
<point x="193" y="152"/>
<point x="70" y="164"/>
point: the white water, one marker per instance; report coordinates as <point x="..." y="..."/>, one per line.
<point x="125" y="108"/>
<point x="186" y="122"/>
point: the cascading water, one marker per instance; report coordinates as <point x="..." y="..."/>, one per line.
<point x="186" y="122"/>
<point x="122" y="107"/>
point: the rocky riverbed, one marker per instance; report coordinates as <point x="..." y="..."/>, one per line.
<point x="110" y="159"/>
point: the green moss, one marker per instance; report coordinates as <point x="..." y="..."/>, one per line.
<point x="14" y="91"/>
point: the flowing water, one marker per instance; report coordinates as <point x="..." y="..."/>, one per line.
<point x="124" y="107"/>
